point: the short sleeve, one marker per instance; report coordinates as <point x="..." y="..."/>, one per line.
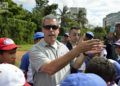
<point x="38" y="58"/>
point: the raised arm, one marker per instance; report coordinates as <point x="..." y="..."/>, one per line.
<point x="51" y="67"/>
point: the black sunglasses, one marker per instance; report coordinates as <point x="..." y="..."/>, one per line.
<point x="48" y="27"/>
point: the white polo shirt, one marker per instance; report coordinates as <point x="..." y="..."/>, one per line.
<point x="42" y="53"/>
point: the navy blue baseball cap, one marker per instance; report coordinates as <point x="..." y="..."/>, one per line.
<point x="83" y="79"/>
<point x="38" y="35"/>
<point x="90" y="35"/>
<point x="66" y="34"/>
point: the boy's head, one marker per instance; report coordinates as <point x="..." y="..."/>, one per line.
<point x="89" y="35"/>
<point x="11" y="75"/>
<point x="102" y="67"/>
<point x="38" y="36"/>
<point x="7" y="50"/>
<point x="83" y="79"/>
<point x="74" y="34"/>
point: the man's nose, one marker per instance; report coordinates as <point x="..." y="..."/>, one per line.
<point x="51" y="28"/>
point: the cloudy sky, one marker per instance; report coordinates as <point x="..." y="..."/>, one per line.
<point x="96" y="9"/>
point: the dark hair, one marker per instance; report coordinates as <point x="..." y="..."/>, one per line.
<point x="39" y="38"/>
<point x="76" y="28"/>
<point x="1" y="51"/>
<point x="101" y="67"/>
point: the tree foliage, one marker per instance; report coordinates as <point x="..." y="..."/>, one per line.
<point x="81" y="18"/>
<point x="68" y="19"/>
<point x="15" y="22"/>
<point x="99" y="32"/>
<point x="42" y="9"/>
<point x="20" y="24"/>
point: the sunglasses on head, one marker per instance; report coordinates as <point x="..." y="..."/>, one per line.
<point x="48" y="27"/>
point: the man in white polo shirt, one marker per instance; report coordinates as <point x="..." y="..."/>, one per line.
<point x="50" y="58"/>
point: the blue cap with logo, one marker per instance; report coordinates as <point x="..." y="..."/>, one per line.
<point x="66" y="34"/>
<point x="83" y="79"/>
<point x="89" y="34"/>
<point x="38" y="35"/>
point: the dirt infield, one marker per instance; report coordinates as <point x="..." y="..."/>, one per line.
<point x="19" y="55"/>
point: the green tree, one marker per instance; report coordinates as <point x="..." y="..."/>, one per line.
<point x="81" y="18"/>
<point x="63" y="15"/>
<point x="42" y="9"/>
<point x="99" y="32"/>
<point x="15" y="22"/>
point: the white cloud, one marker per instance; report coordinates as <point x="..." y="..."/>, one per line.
<point x="28" y="4"/>
<point x="96" y="9"/>
<point x="19" y="1"/>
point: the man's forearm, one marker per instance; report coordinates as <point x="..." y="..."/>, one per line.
<point x="57" y="64"/>
<point x="79" y="61"/>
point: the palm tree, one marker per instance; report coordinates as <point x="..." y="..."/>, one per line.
<point x="81" y="18"/>
<point x="41" y="3"/>
<point x="64" y="16"/>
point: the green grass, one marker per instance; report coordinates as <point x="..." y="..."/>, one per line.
<point x="24" y="47"/>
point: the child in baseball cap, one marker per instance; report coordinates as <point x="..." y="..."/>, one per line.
<point x="83" y="79"/>
<point x="7" y="50"/>
<point x="11" y="75"/>
<point x="38" y="36"/>
<point x="89" y="35"/>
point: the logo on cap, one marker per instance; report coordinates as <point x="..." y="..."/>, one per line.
<point x="8" y="41"/>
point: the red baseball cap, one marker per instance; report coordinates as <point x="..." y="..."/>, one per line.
<point x="7" y="44"/>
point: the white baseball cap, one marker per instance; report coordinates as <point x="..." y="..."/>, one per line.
<point x="11" y="75"/>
